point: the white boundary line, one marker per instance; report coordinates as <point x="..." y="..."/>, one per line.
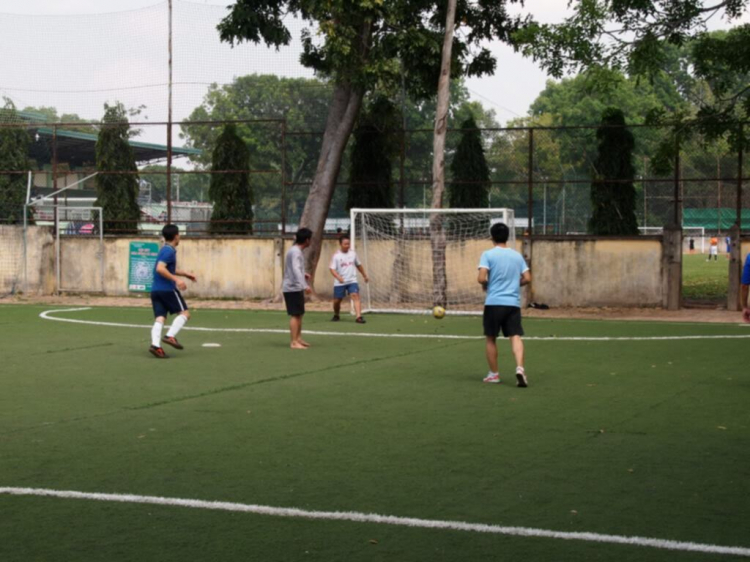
<point x="47" y="315"/>
<point x="358" y="517"/>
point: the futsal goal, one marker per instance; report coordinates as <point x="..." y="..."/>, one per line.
<point x="419" y="258"/>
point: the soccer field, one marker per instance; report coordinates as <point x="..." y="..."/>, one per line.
<point x="631" y="435"/>
<point x="705" y="280"/>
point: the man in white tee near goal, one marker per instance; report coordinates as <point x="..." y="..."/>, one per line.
<point x="502" y="272"/>
<point x="344" y="266"/>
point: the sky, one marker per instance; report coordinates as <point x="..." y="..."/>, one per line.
<point x="512" y="89"/>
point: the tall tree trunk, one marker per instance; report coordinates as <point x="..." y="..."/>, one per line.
<point x="345" y="107"/>
<point x="437" y="230"/>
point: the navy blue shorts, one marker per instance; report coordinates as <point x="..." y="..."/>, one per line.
<point x="167" y="302"/>
<point x="340" y="291"/>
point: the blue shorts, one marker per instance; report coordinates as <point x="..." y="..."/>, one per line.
<point x="167" y="302"/>
<point x="340" y="291"/>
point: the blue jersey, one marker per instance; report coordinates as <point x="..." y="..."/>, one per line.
<point x="746" y="272"/>
<point x="168" y="255"/>
<point x="504" y="281"/>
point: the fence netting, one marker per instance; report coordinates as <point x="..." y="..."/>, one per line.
<point x="61" y="75"/>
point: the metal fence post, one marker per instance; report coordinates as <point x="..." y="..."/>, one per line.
<point x="677" y="206"/>
<point x="531" y="183"/>
<point x="740" y="173"/>
<point x="169" y="123"/>
<point x="283" y="177"/>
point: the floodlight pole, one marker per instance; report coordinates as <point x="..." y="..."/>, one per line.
<point x="169" y="123"/>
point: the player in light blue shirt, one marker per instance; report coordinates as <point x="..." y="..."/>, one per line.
<point x="745" y="292"/>
<point x="502" y="272"/>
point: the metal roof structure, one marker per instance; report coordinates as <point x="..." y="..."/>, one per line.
<point x="78" y="148"/>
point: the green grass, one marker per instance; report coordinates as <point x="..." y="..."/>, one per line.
<point x="703" y="279"/>
<point x="641" y="438"/>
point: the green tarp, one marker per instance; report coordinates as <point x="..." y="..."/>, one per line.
<point x="713" y="219"/>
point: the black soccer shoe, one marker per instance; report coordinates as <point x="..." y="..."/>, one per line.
<point x="172" y="341"/>
<point x="158" y="352"/>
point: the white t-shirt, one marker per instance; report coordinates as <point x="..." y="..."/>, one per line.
<point x="345" y="264"/>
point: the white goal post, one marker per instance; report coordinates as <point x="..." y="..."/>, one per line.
<point x="402" y="251"/>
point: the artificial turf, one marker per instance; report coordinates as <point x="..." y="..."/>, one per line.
<point x="704" y="279"/>
<point x="644" y="438"/>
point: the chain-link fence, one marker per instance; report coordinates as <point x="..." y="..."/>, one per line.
<point x="544" y="174"/>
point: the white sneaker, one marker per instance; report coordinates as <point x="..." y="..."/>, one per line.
<point x="521" y="380"/>
<point x="492" y="378"/>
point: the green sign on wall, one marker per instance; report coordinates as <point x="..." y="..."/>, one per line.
<point x="142" y="263"/>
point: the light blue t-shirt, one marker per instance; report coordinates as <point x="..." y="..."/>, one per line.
<point x="504" y="281"/>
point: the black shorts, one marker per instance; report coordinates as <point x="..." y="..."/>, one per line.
<point x="505" y="318"/>
<point x="295" y="303"/>
<point x="167" y="302"/>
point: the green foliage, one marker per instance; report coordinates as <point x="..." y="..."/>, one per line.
<point x="471" y="175"/>
<point x="50" y="115"/>
<point x="302" y="102"/>
<point x="371" y="167"/>
<point x="14" y="147"/>
<point x="365" y="42"/>
<point x="231" y="193"/>
<point x="612" y="191"/>
<point x="641" y="37"/>
<point x="193" y="187"/>
<point x="117" y="194"/>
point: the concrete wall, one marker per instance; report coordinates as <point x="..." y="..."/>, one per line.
<point x="598" y="273"/>
<point x="226" y="268"/>
<point x="582" y="272"/>
<point x="40" y="260"/>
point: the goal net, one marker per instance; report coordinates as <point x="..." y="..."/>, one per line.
<point x="420" y="258"/>
<point x="11" y="259"/>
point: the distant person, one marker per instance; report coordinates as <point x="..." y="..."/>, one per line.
<point x="745" y="290"/>
<point x="728" y="242"/>
<point x="714" y="250"/>
<point x="502" y="272"/>
<point x="344" y="266"/>
<point x="166" y="298"/>
<point x="692" y="246"/>
<point x="295" y="285"/>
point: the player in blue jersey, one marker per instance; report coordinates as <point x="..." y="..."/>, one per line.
<point x="165" y="293"/>
<point x="745" y="291"/>
<point x="502" y="272"/>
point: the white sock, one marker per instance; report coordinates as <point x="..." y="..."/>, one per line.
<point x="520" y="371"/>
<point x="176" y="326"/>
<point x="156" y="334"/>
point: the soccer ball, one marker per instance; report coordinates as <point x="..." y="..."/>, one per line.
<point x="438" y="312"/>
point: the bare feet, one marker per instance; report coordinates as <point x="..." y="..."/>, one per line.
<point x="297" y="345"/>
<point x="303" y="342"/>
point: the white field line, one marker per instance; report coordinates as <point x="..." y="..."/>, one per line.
<point x="47" y="315"/>
<point x="358" y="517"/>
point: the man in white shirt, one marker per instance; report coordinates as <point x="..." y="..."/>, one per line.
<point x="344" y="266"/>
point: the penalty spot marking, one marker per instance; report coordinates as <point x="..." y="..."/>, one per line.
<point x="211" y="345"/>
<point x="47" y="315"/>
<point x="358" y="517"/>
